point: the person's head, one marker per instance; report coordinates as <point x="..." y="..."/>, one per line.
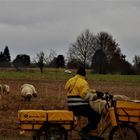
<point x="81" y="71"/>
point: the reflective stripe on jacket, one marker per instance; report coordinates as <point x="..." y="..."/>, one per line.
<point x="76" y="101"/>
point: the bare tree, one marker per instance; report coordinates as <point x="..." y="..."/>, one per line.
<point x="73" y="64"/>
<point x="107" y="44"/>
<point x="136" y="62"/>
<point x="50" y="57"/>
<point x="40" y="60"/>
<point x="83" y="49"/>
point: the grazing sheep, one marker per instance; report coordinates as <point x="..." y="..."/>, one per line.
<point x="99" y="104"/>
<point x="28" y="91"/>
<point x="68" y="71"/>
<point x="6" y="89"/>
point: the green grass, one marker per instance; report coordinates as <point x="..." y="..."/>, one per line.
<point x="34" y="75"/>
<point x="116" y="77"/>
<point x="59" y="74"/>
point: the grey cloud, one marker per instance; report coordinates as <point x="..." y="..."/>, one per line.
<point x="31" y="26"/>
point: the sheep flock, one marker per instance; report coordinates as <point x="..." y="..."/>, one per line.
<point x="27" y="91"/>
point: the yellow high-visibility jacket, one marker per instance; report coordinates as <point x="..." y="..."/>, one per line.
<point x="77" y="86"/>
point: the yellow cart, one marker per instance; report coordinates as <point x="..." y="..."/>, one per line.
<point x="50" y="124"/>
<point x="121" y="116"/>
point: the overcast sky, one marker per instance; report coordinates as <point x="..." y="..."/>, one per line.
<point x="31" y="26"/>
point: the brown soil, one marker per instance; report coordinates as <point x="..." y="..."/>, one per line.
<point x="51" y="95"/>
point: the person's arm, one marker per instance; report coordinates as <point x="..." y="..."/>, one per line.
<point x="67" y="85"/>
<point x="90" y="96"/>
<point x="94" y="95"/>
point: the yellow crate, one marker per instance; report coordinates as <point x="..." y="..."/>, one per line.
<point x="32" y="115"/>
<point x="34" y="119"/>
<point x="60" y="115"/>
<point x="63" y="117"/>
<point x="30" y="126"/>
<point x="128" y="111"/>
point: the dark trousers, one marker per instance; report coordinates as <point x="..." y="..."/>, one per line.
<point x="87" y="111"/>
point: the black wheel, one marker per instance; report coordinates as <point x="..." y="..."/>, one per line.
<point x="37" y="137"/>
<point x="124" y="132"/>
<point x="55" y="132"/>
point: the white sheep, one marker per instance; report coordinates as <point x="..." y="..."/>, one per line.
<point x="28" y="91"/>
<point x="6" y="89"/>
<point x="68" y="71"/>
<point x="99" y="104"/>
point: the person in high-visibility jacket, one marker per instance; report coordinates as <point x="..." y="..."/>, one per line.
<point x="79" y="95"/>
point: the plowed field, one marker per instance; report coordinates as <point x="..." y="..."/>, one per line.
<point x="51" y="95"/>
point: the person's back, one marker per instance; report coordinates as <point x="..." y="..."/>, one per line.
<point x="77" y="85"/>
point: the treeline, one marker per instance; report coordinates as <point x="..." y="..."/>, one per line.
<point x="99" y="52"/>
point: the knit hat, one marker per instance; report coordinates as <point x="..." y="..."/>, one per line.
<point x="81" y="71"/>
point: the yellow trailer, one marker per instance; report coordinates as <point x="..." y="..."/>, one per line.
<point x="128" y="111"/>
<point x="44" y="122"/>
<point x="121" y="116"/>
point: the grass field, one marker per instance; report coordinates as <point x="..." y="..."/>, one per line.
<point x="59" y="74"/>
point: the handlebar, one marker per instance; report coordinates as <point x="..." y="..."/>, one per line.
<point x="107" y="96"/>
<point x="104" y="96"/>
<point x="109" y="99"/>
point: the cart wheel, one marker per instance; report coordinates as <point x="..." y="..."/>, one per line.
<point x="55" y="132"/>
<point x="36" y="137"/>
<point x="124" y="132"/>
